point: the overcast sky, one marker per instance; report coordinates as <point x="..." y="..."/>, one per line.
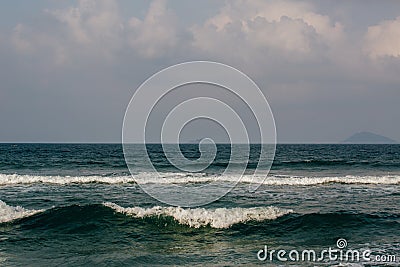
<point x="69" y="68"/>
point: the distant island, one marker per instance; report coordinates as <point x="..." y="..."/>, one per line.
<point x="368" y="138"/>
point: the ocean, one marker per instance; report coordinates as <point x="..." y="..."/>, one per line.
<point x="78" y="205"/>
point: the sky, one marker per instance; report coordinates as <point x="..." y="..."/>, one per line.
<point x="68" y="69"/>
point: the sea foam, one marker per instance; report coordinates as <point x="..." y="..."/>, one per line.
<point x="199" y="217"/>
<point x="183" y="178"/>
<point x="10" y="213"/>
<point x="11" y="179"/>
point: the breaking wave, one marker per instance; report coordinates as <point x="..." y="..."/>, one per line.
<point x="195" y="217"/>
<point x="183" y="178"/>
<point x="10" y="213"/>
<point x="200" y="217"/>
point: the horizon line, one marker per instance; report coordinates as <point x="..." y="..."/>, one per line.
<point x="191" y="143"/>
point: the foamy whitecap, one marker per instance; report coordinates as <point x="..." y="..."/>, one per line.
<point x="10" y="213"/>
<point x="272" y="180"/>
<point x="10" y="179"/>
<point x="324" y="180"/>
<point x="183" y="178"/>
<point x="198" y="217"/>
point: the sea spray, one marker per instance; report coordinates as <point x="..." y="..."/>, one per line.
<point x="199" y="217"/>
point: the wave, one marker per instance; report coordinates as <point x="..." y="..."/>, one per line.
<point x="11" y="213"/>
<point x="200" y="217"/>
<point x="302" y="181"/>
<point x="184" y="178"/>
<point x="195" y="218"/>
<point x="13" y="179"/>
<point x="268" y="220"/>
<point x="274" y="180"/>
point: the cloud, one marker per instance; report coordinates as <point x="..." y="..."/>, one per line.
<point x="242" y="31"/>
<point x="383" y="40"/>
<point x="156" y="34"/>
<point x="19" y="41"/>
<point x="80" y="63"/>
<point x="292" y="29"/>
<point x="96" y="29"/>
<point x="91" y="21"/>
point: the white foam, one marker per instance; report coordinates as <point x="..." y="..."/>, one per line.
<point x="198" y="217"/>
<point x="10" y="213"/>
<point x="13" y="179"/>
<point x="324" y="180"/>
<point x="271" y="180"/>
<point x="183" y="178"/>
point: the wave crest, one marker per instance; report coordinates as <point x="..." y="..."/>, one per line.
<point x="10" y="213"/>
<point x="183" y="178"/>
<point x="13" y="179"/>
<point x="200" y="217"/>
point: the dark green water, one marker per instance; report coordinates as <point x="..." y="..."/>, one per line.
<point x="77" y="205"/>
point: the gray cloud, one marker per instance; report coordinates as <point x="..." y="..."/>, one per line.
<point x="69" y="74"/>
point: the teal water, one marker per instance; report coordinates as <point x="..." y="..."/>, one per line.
<point x="78" y="205"/>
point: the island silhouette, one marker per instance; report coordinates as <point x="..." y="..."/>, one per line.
<point x="368" y="138"/>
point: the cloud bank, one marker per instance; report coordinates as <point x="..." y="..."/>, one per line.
<point x="313" y="67"/>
